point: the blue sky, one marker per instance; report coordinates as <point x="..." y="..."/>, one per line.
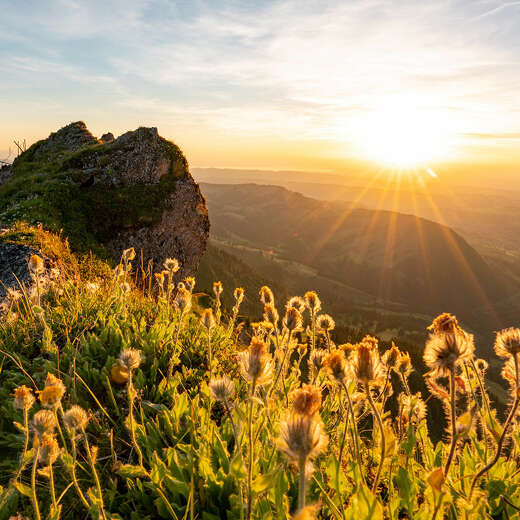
<point x="265" y="84"/>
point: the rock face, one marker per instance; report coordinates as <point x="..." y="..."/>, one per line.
<point x="133" y="191"/>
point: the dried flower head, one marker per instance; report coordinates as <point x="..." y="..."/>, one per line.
<point x="255" y="363"/>
<point x="444" y="351"/>
<point x="171" y="265"/>
<point x="207" y="319"/>
<point x="507" y="342"/>
<point x="271" y="314"/>
<point x="222" y="389"/>
<point x="238" y="294"/>
<point x="75" y="418"/>
<point x="13" y="294"/>
<point x="306" y="400"/>
<point x="23" y="398"/>
<point x="482" y="365"/>
<point x="366" y="364"/>
<point x="302" y="437"/>
<point x="44" y="421"/>
<point x="316" y="360"/>
<point x="128" y="254"/>
<point x="297" y="302"/>
<point x="266" y="295"/>
<point x="445" y="324"/>
<point x="49" y="449"/>
<point x="217" y="289"/>
<point x="182" y="300"/>
<point x="190" y="283"/>
<point x="293" y="319"/>
<point x="391" y="357"/>
<point x="337" y="366"/>
<point x="325" y="322"/>
<point x="51" y="395"/>
<point x="312" y="301"/>
<point x="36" y="264"/>
<point x="404" y="364"/>
<point x="130" y="358"/>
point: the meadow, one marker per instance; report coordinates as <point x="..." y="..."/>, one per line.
<point x="125" y="395"/>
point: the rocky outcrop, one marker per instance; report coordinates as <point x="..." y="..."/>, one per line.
<point x="133" y="191"/>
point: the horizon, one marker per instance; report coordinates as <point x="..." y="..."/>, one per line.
<point x="367" y="85"/>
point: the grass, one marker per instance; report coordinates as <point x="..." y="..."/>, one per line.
<point x="214" y="418"/>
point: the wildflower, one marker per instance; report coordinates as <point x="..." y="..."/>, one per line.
<point x="190" y="283"/>
<point x="159" y="278"/>
<point x="391" y="357"/>
<point x="508" y="342"/>
<point x="36" y="264"/>
<point x="51" y="395"/>
<point x="255" y="363"/>
<point x="217" y="289"/>
<point x="316" y="360"/>
<point x="266" y="295"/>
<point x="307" y="400"/>
<point x="482" y="365"/>
<point x="367" y="365"/>
<point x="171" y="265"/>
<point x="207" y="319"/>
<point x="436" y="479"/>
<point x="125" y="287"/>
<point x="52" y="380"/>
<point x="271" y="314"/>
<point x="445" y="324"/>
<point x="337" y="366"/>
<point x="325" y="322"/>
<point x="312" y="301"/>
<point x="119" y="271"/>
<point x="444" y="351"/>
<point x="44" y="421"/>
<point x="509" y="372"/>
<point x="49" y="449"/>
<point x="13" y="294"/>
<point x="297" y="302"/>
<point x="91" y="287"/>
<point x="307" y="513"/>
<point x="119" y="374"/>
<point x="130" y="358"/>
<point x="128" y="254"/>
<point x="238" y="294"/>
<point x="181" y="285"/>
<point x="302" y="437"/>
<point x="404" y="364"/>
<point x="370" y="341"/>
<point x="75" y="418"/>
<point x="182" y="300"/>
<point x="222" y="389"/>
<point x="23" y="398"/>
<point x="293" y="319"/>
<point x="413" y="408"/>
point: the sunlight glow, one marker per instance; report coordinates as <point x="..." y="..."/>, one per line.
<point x="401" y="134"/>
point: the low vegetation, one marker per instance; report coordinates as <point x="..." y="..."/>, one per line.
<point x="122" y="396"/>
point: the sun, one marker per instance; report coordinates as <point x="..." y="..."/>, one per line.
<point x="401" y="135"/>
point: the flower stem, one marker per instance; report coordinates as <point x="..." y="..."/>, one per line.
<point x="383" y="444"/>
<point x="95" y="475"/>
<point x="73" y="471"/>
<point x="131" y="394"/>
<point x="301" y="483"/>
<point x="53" y="490"/>
<point x="453" y="423"/>
<point x="33" y="482"/>
<point x="250" y="460"/>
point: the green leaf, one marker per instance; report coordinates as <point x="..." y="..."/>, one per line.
<point x="131" y="471"/>
<point x="23" y="489"/>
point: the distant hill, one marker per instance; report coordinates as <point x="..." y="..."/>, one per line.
<point x="401" y="260"/>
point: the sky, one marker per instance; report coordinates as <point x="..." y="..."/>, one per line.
<point x="289" y="84"/>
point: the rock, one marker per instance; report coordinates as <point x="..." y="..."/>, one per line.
<point x="107" y="138"/>
<point x="133" y="191"/>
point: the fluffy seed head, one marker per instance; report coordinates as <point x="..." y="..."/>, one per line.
<point x="293" y="319"/>
<point x="404" y="364"/>
<point x="44" y="421"/>
<point x="255" y="363"/>
<point x="337" y="366"/>
<point x="36" y="264"/>
<point x="316" y="360"/>
<point x="444" y="351"/>
<point x="367" y="365"/>
<point x="183" y="300"/>
<point x="238" y="294"/>
<point x="312" y="301"/>
<point x="266" y="295"/>
<point x="130" y="358"/>
<point x="445" y="323"/>
<point x="190" y="283"/>
<point x="23" y="398"/>
<point x="222" y="389"/>
<point x="49" y="449"/>
<point x="75" y="418"/>
<point x="325" y="322"/>
<point x="207" y="319"/>
<point x="413" y="408"/>
<point x="51" y="395"/>
<point x="507" y="342"/>
<point x="306" y="400"/>
<point x="302" y="437"/>
<point x="271" y="314"/>
<point x="482" y="365"/>
<point x="217" y="289"/>
<point x="297" y="302"/>
<point x="391" y="357"/>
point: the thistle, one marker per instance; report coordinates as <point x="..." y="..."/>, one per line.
<point x="297" y="302"/>
<point x="208" y="322"/>
<point x="266" y="295"/>
<point x="306" y="400"/>
<point x="313" y="303"/>
<point x="255" y="363"/>
<point x="23" y="398"/>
